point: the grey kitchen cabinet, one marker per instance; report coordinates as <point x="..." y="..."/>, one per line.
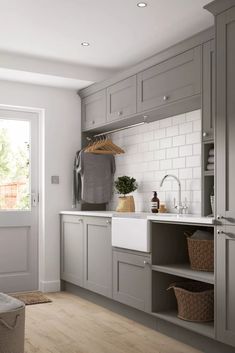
<point x="208" y="90"/>
<point x="72" y="249"/>
<point x="132" y="279"/>
<point x="121" y="99"/>
<point x="225" y="288"/>
<point x="225" y="116"/>
<point x="98" y="255"/>
<point x="170" y="81"/>
<point x="94" y="110"/>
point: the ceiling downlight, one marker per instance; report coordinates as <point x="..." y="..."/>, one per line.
<point x="142" y="4"/>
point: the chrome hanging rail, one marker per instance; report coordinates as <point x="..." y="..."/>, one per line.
<point x="120" y="129"/>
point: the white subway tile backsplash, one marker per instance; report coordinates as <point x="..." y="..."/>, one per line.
<point x="185" y="150"/>
<point x="172" y="131"/>
<point x="172" y="152"/>
<point x="195" y="137"/>
<point x="186" y="128"/>
<point x="166" y="142"/>
<point x="179" y="163"/>
<point x="178" y="140"/>
<point x="167" y="146"/>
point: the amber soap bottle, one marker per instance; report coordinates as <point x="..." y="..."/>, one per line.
<point x="155" y="203"/>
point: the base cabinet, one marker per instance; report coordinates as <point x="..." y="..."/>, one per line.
<point x="72" y="245"/>
<point x="98" y="255"/>
<point x="225" y="246"/>
<point x="132" y="279"/>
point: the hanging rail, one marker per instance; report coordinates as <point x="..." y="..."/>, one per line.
<point x="120" y="129"/>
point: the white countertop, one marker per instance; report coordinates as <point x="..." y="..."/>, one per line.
<point x="159" y="217"/>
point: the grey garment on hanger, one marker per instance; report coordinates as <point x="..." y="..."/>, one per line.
<point x="97" y="171"/>
<point x="77" y="185"/>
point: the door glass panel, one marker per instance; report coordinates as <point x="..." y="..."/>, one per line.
<point x="14" y="165"/>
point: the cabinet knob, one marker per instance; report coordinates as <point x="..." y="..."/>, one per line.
<point x="165" y="98"/>
<point x="220" y="232"/>
<point x="80" y="220"/>
<point x="205" y="134"/>
<point x="119" y="113"/>
<point x="93" y="122"/>
<point x="146" y="262"/>
<point x="108" y="222"/>
<point x="220" y="217"/>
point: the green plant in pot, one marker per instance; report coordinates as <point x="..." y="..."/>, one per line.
<point x="125" y="185"/>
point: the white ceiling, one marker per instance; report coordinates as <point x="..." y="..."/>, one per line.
<point x="120" y="33"/>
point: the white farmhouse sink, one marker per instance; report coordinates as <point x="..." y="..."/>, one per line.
<point x="131" y="233"/>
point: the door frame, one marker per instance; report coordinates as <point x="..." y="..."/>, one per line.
<point x="41" y="184"/>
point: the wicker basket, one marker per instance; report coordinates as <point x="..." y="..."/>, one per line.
<point x="201" y="254"/>
<point x="195" y="301"/>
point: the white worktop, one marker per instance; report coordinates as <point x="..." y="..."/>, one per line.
<point x="159" y="217"/>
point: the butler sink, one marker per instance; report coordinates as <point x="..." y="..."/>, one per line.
<point x="131" y="233"/>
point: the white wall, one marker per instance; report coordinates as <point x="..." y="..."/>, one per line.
<point x="171" y="145"/>
<point x="62" y="140"/>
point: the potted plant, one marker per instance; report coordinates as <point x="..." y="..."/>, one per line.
<point x="125" y="185"/>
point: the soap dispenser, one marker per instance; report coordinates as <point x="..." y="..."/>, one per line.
<point x="155" y="203"/>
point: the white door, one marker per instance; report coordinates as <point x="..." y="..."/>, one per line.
<point x="18" y="201"/>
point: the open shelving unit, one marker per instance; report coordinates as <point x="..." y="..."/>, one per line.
<point x="208" y="178"/>
<point x="170" y="264"/>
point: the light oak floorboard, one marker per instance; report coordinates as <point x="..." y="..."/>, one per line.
<point x="74" y="325"/>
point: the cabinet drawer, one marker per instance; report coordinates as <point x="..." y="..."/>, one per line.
<point x="121" y="99"/>
<point x="94" y="110"/>
<point x="170" y="81"/>
<point x="132" y="280"/>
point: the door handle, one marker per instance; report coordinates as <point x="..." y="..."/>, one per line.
<point x="34" y="199"/>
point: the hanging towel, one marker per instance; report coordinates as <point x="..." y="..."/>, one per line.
<point x="97" y="171"/>
<point x="76" y="191"/>
<point x="211" y="159"/>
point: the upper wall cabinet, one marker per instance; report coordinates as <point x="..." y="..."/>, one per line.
<point x="170" y="81"/>
<point x="208" y="90"/>
<point x="94" y="110"/>
<point x="121" y="99"/>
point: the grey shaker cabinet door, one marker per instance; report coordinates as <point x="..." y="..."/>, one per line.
<point x="98" y="255"/>
<point x="121" y="99"/>
<point x="208" y="91"/>
<point x="170" y="81"/>
<point x="225" y="116"/>
<point x="72" y="249"/>
<point x="132" y="280"/>
<point x="94" y="110"/>
<point x="225" y="284"/>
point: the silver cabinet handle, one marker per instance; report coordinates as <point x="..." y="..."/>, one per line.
<point x="204" y="134"/>
<point x="220" y="232"/>
<point x="220" y="217"/>
<point x="146" y="262"/>
<point x="80" y="220"/>
<point x="119" y="113"/>
<point x="165" y="98"/>
<point x="108" y="222"/>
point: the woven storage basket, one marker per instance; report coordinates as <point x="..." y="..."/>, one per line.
<point x="195" y="301"/>
<point x="12" y="327"/>
<point x="201" y="254"/>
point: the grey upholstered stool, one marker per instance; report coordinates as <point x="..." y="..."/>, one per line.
<point x="12" y="324"/>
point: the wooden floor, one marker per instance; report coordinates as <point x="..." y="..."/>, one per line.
<point x="73" y="325"/>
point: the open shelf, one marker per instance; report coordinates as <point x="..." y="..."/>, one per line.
<point x="184" y="270"/>
<point x="204" y="328"/>
<point x="209" y="173"/>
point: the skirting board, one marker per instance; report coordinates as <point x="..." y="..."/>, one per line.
<point x="49" y="286"/>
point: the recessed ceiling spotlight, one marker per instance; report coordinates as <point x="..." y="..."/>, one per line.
<point x="142" y="4"/>
<point x="85" y="44"/>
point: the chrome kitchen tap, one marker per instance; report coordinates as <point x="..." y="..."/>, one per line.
<point x="178" y="206"/>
